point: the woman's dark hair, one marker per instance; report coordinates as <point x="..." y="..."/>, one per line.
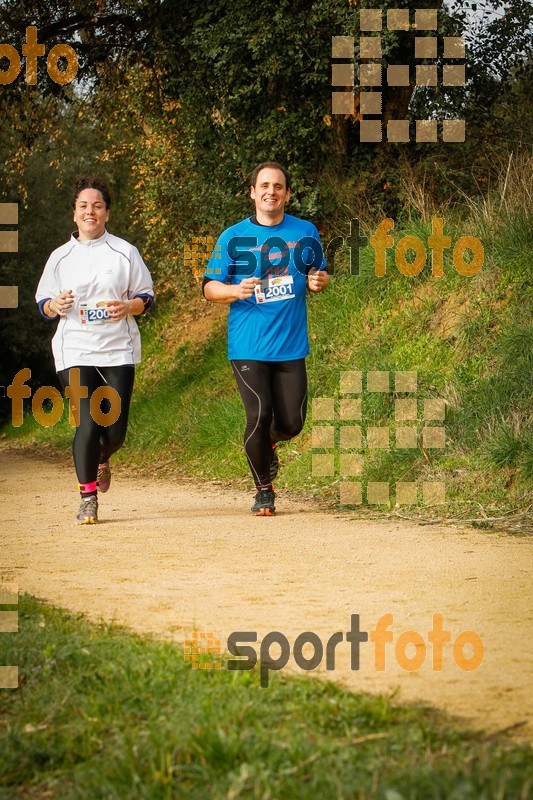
<point x="91" y="182"/>
<point x="271" y="165"/>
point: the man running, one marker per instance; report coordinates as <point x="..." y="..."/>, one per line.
<point x="263" y="266"/>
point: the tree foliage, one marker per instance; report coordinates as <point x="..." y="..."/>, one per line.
<point x="175" y="102"/>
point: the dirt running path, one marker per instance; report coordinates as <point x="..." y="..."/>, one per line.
<point x="168" y="559"/>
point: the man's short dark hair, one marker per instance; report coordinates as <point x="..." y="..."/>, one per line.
<point x="91" y="182"/>
<point x="271" y="165"/>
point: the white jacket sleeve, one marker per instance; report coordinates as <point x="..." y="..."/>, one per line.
<point x="140" y="279"/>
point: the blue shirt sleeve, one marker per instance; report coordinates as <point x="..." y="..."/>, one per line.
<point x="234" y="256"/>
<point x="217" y="268"/>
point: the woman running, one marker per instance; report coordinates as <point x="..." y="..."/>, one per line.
<point x="95" y="284"/>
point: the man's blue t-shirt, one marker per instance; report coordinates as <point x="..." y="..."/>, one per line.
<point x="272" y="324"/>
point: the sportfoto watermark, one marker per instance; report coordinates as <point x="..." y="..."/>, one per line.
<point x="440" y="61"/>
<point x="409" y="265"/>
<point x="9" y="623"/>
<point x="9" y="243"/>
<point x="345" y="432"/>
<point x="410" y="252"/>
<point x="32" y="50"/>
<point x="380" y="637"/>
<point x="75" y="392"/>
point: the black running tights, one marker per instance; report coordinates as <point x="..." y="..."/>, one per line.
<point x="93" y="442"/>
<point x="274" y="394"/>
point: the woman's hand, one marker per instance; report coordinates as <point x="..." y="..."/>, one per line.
<point x="61" y="304"/>
<point x="118" y="309"/>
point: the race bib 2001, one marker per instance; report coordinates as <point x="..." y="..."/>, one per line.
<point x="94" y="313"/>
<point x="272" y="289"/>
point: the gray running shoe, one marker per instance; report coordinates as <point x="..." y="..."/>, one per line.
<point x="264" y="503"/>
<point x="88" y="513"/>
<point x="103" y="478"/>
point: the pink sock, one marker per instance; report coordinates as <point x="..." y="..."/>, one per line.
<point x="87" y="488"/>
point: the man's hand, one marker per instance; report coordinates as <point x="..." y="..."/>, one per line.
<point x="245" y="288"/>
<point x="317" y="280"/>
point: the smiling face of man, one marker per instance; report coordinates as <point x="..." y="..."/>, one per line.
<point x="270" y="195"/>
<point x="90" y="214"/>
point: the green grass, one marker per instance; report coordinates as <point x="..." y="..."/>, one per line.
<point x="470" y="340"/>
<point x="101" y="713"/>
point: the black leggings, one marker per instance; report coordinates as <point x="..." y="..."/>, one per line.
<point x="274" y="394"/>
<point x="93" y="442"/>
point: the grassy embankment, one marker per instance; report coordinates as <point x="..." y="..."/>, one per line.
<point x="469" y="339"/>
<point x="103" y="714"/>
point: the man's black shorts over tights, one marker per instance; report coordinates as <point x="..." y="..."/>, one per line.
<point x="93" y="443"/>
<point x="274" y="394"/>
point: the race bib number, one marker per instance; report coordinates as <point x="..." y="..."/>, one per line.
<point x="94" y="313"/>
<point x="272" y="289"/>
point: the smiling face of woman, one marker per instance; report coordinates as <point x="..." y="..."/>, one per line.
<point x="90" y="214"/>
